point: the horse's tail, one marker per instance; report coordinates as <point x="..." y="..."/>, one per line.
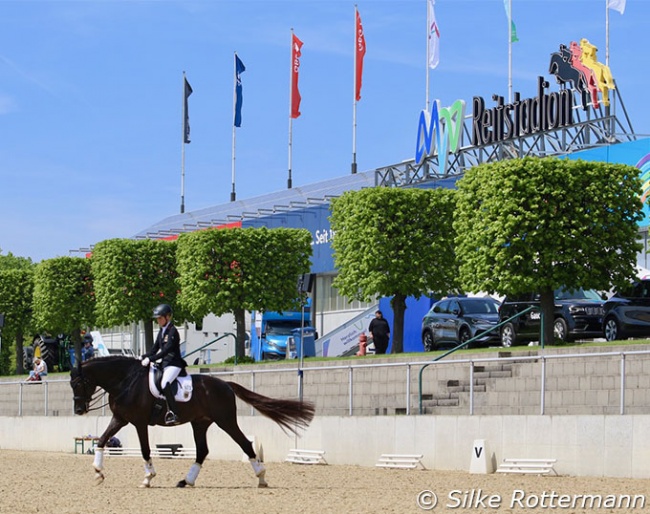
<point x="289" y="414"/>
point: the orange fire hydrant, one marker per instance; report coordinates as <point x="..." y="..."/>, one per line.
<point x="363" y="342"/>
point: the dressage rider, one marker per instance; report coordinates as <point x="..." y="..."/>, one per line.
<point x="167" y="347"/>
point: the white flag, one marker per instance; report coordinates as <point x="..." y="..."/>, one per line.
<point x="617" y="5"/>
<point x="434" y="36"/>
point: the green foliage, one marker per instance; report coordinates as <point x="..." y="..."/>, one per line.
<point x="16" y="288"/>
<point x="10" y="261"/>
<point x="63" y="299"/>
<point x="221" y="271"/>
<point x="390" y="241"/>
<point x="394" y="242"/>
<point x="132" y="277"/>
<point x="237" y="269"/>
<point x="244" y="359"/>
<point x="537" y="224"/>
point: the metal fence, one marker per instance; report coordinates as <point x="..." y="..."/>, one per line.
<point x="392" y="387"/>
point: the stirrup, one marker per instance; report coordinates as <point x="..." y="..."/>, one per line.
<point x="171" y="418"/>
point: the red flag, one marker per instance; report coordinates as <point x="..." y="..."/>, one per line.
<point x="360" y="52"/>
<point x="296" y="46"/>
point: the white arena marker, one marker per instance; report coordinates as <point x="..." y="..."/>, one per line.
<point x="481" y="462"/>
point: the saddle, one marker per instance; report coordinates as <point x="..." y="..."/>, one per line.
<point x="181" y="387"/>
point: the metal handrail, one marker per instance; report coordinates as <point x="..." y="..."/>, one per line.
<point x="226" y="334"/>
<point x="466" y="343"/>
<point x="352" y="368"/>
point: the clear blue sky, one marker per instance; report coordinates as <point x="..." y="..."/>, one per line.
<point x="91" y="97"/>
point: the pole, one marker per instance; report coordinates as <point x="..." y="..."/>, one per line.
<point x="183" y="151"/>
<point x="606" y="34"/>
<point x="233" y="195"/>
<point x="428" y="56"/>
<point x="354" y="97"/>
<point x="290" y="118"/>
<point x="509" y="51"/>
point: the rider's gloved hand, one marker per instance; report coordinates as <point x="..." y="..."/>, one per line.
<point x="145" y="362"/>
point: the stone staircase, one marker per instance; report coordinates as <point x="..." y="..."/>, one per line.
<point x="455" y="392"/>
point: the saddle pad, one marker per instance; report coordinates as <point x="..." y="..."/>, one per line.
<point x="183" y="393"/>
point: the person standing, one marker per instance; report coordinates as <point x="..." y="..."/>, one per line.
<point x="380" y="332"/>
<point x="168" y="348"/>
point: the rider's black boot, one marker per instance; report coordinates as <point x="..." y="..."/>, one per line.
<point x="170" y="417"/>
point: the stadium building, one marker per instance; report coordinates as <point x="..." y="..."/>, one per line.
<point x="576" y="112"/>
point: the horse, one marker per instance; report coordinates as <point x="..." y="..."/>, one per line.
<point x="212" y="401"/>
<point x="561" y="66"/>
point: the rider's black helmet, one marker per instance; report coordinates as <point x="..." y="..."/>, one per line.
<point x="88" y="338"/>
<point x="162" y="310"/>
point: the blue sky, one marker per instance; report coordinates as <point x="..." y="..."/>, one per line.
<point x="91" y="97"/>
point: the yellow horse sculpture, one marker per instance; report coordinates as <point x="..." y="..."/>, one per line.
<point x="602" y="72"/>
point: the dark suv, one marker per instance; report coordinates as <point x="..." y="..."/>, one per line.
<point x="627" y="313"/>
<point x="578" y="314"/>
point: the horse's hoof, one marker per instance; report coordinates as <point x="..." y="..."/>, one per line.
<point x="99" y="478"/>
<point x="145" y="485"/>
<point x="261" y="484"/>
<point x="184" y="483"/>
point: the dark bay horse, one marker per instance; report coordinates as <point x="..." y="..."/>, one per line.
<point x="213" y="401"/>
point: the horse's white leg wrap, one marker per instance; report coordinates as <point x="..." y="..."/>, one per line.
<point x="260" y="471"/>
<point x="149" y="473"/>
<point x="98" y="464"/>
<point x="193" y="473"/>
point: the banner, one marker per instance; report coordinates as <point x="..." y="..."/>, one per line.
<point x="239" y="69"/>
<point x="513" y="28"/>
<point x="434" y="37"/>
<point x="296" y="46"/>
<point x="617" y="5"/>
<point x="360" y="52"/>
<point x="186" y="117"/>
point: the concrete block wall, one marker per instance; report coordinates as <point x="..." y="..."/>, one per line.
<point x="592" y="445"/>
<point x="589" y="385"/>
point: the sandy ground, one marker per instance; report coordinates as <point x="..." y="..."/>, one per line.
<point x="38" y="482"/>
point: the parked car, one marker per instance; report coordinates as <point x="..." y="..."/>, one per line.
<point x="627" y="313"/>
<point x="455" y="320"/>
<point x="578" y="314"/>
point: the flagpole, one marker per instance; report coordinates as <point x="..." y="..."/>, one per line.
<point x="290" y="107"/>
<point x="509" y="51"/>
<point x="233" y="195"/>
<point x="354" y="96"/>
<point x="183" y="150"/>
<point x="428" y="55"/>
<point x="606" y="33"/>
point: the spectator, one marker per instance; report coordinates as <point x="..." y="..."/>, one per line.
<point x="380" y="332"/>
<point x="40" y="370"/>
<point x="87" y="352"/>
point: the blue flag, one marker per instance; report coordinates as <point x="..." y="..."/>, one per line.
<point x="239" y="69"/>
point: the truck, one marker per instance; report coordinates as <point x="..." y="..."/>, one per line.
<point x="272" y="331"/>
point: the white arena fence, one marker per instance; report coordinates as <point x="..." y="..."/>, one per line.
<point x="590" y="382"/>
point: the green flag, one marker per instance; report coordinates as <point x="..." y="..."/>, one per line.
<point x="513" y="28"/>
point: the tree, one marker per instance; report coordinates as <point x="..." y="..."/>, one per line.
<point x="394" y="242"/>
<point x="534" y="225"/>
<point x="16" y="288"/>
<point x="64" y="300"/>
<point x="131" y="278"/>
<point x="236" y="270"/>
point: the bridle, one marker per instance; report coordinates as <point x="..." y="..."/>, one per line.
<point x="84" y="391"/>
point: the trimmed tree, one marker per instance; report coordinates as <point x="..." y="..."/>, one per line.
<point x="64" y="301"/>
<point x="236" y="270"/>
<point x="131" y="278"/>
<point x="394" y="242"/>
<point x="534" y="225"/>
<point x="16" y="289"/>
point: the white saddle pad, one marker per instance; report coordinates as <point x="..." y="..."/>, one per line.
<point x="183" y="393"/>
